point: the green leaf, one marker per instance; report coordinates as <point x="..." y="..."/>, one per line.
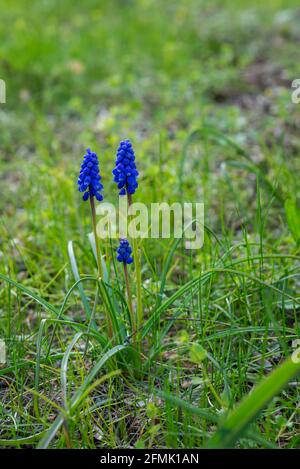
<point x="293" y="218"/>
<point x="31" y="294"/>
<point x="207" y="415"/>
<point x="52" y="431"/>
<point x="240" y="418"/>
<point x="21" y="441"/>
<point x="74" y="267"/>
<point x="197" y="353"/>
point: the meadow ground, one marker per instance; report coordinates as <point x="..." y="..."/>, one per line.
<point x="203" y="90"/>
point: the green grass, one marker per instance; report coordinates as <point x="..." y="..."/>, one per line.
<point x="202" y="88"/>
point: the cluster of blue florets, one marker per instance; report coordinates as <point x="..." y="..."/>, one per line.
<point x="125" y="175"/>
<point x="89" y="177"/>
<point x="125" y="172"/>
<point x="124" y="252"/>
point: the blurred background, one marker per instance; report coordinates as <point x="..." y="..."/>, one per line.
<point x="203" y="90"/>
<point x="89" y="73"/>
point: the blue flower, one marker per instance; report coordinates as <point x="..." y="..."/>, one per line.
<point x="89" y="177"/>
<point x="124" y="252"/>
<point x="125" y="172"/>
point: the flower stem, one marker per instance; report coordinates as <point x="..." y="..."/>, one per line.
<point x="92" y="319"/>
<point x="129" y="298"/>
<point x="137" y="264"/>
<point x="98" y="251"/>
<point x="100" y="270"/>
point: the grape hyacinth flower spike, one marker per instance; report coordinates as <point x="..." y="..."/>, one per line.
<point x="125" y="175"/>
<point x="124" y="252"/>
<point x="89" y="177"/>
<point x="125" y="172"/>
<point x="89" y="183"/>
<point x="124" y="255"/>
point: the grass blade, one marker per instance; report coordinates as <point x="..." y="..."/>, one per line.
<point x="74" y="267"/>
<point x="50" y="434"/>
<point x="240" y="418"/>
<point x="31" y="294"/>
